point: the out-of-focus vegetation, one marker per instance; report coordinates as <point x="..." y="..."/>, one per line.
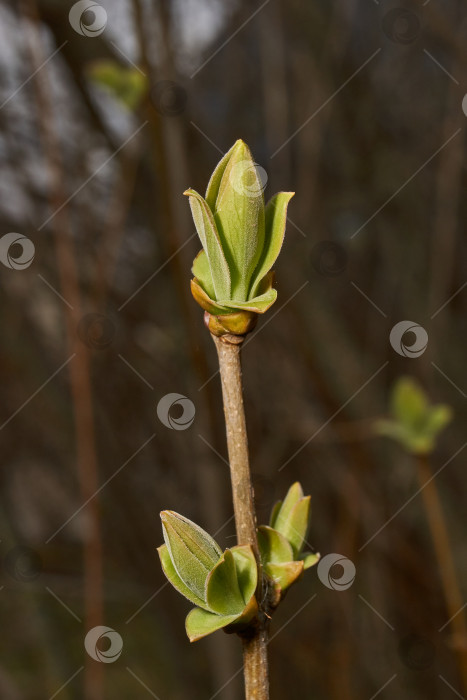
<point x="357" y="107"/>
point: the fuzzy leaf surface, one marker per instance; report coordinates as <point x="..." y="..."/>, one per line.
<point x="170" y="572"/>
<point x="193" y="551"/>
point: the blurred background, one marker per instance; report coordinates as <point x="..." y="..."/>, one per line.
<point x="108" y="112"/>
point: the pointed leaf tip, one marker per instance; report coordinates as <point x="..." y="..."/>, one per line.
<point x="292" y="517"/>
<point x="239" y="216"/>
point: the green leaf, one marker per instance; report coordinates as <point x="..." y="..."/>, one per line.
<point x="239" y="216"/>
<point x="223" y="594"/>
<point x="409" y="403"/>
<point x="193" y="551"/>
<point x="291" y="518"/>
<point x="310" y="559"/>
<point x="275" y="221"/>
<point x="416" y="424"/>
<point x="297" y="524"/>
<point x="294" y="494"/>
<point x="169" y="570"/>
<point x="209" y="237"/>
<point x="231" y="224"/>
<point x="273" y="546"/>
<point x="202" y="272"/>
<point x="247" y="570"/>
<point x="200" y="623"/>
<point x="285" y="574"/>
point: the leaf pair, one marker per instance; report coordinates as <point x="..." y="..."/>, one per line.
<point x="281" y="542"/>
<point x="221" y="585"/>
<point x="415" y="423"/>
<point x="241" y="240"/>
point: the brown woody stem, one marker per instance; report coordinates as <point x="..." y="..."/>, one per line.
<point x="254" y="646"/>
<point x="446" y="564"/>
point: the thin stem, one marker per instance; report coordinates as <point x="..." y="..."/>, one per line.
<point x="255" y="646"/>
<point x="255" y="666"/>
<point x="237" y="441"/>
<point x="447" y="569"/>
